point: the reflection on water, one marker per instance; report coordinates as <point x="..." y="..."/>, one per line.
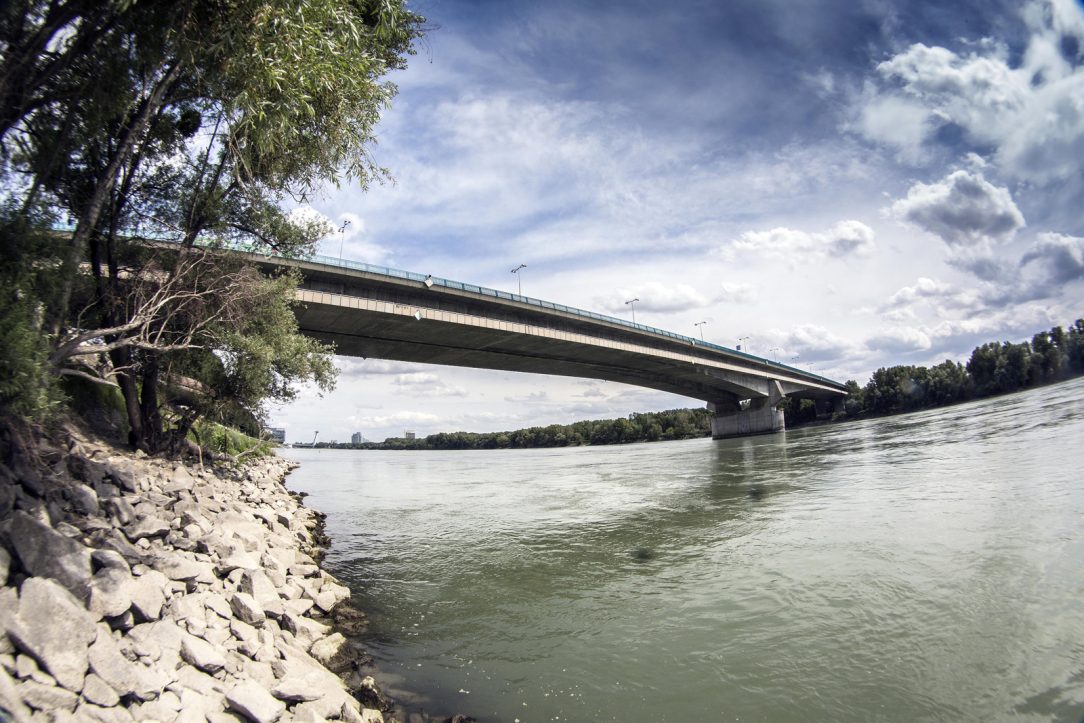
<point x="927" y="566"/>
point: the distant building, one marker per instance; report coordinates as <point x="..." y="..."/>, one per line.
<point x="408" y="434"/>
<point x="277" y="435"/>
<point x="356" y="438"/>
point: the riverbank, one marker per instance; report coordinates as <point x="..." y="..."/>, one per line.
<point x="136" y="588"/>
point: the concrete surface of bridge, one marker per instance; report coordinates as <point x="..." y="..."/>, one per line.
<point x="381" y="313"/>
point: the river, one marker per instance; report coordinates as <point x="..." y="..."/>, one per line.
<point x="927" y="566"/>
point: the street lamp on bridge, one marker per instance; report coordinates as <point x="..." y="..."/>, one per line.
<point x="746" y="340"/>
<point x="342" y="237"/>
<point x="519" y="279"/>
<point x="631" y="303"/>
<point x="701" y="325"/>
<point x="772" y="351"/>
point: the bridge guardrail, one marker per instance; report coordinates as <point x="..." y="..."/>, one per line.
<point x="483" y="291"/>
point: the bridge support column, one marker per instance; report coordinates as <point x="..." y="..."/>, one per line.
<point x="760" y="417"/>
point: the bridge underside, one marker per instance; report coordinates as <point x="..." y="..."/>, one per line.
<point x="379" y="329"/>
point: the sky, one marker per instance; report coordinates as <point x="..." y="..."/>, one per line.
<point x="850" y="184"/>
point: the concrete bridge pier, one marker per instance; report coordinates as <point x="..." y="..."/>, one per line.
<point x="760" y="416"/>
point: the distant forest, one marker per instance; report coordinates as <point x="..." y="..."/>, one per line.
<point x="994" y="368"/>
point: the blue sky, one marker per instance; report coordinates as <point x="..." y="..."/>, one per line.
<point x="850" y="184"/>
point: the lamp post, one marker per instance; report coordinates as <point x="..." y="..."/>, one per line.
<point x="746" y="340"/>
<point x="631" y="303"/>
<point x="342" y="237"/>
<point x="519" y="279"/>
<point x="772" y="351"/>
<point x="794" y="359"/>
<point x="701" y="325"/>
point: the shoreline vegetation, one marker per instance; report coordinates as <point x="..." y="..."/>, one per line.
<point x="994" y="368"/>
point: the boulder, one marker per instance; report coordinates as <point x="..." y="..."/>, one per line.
<point x="247" y="609"/>
<point x="53" y="628"/>
<point x="255" y="703"/>
<point x="148" y="594"/>
<point x="119" y="673"/>
<point x="146" y="527"/>
<point x="202" y="654"/>
<point x="10" y="699"/>
<point x="47" y="698"/>
<point x="84" y="500"/>
<point x="99" y="692"/>
<point x="5" y="566"/>
<point x="327" y="650"/>
<point x="111" y="591"/>
<point x="44" y="552"/>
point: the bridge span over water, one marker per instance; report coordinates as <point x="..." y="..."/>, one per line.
<point x="382" y="313"/>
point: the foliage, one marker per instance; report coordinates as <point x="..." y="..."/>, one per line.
<point x="186" y="122"/>
<point x="993" y="368"/>
<point x="646" y="427"/>
<point x="221" y="439"/>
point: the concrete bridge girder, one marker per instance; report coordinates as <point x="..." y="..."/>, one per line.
<point x="401" y="330"/>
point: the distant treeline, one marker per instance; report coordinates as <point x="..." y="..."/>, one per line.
<point x="994" y="368"/>
<point x="645" y="427"/>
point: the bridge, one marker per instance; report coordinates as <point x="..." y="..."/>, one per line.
<point x="381" y="313"/>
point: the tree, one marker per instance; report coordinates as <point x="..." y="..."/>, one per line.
<point x="188" y="122"/>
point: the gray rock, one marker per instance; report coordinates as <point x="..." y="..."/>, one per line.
<point x="54" y="628"/>
<point x="119" y="673"/>
<point x="111" y="591"/>
<point x="300" y="688"/>
<point x="121" y="509"/>
<point x="257" y="584"/>
<point x="99" y="692"/>
<point x="219" y="605"/>
<point x="179" y="567"/>
<point x="202" y="654"/>
<point x="146" y="527"/>
<point x="10" y="698"/>
<point x="84" y="500"/>
<point x="44" y="552"/>
<point x="97" y="714"/>
<point x="47" y="698"/>
<point x="148" y="594"/>
<point x="123" y="474"/>
<point x="109" y="559"/>
<point x="327" y="649"/>
<point x="5" y="566"/>
<point x="189" y="677"/>
<point x="247" y="609"/>
<point x="255" y="703"/>
<point x="181" y="480"/>
<point x="330" y="595"/>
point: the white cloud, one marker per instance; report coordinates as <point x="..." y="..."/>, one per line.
<point x="899" y="340"/>
<point x="655" y="296"/>
<point x="1030" y="110"/>
<point x="963" y="209"/>
<point x="846" y="238"/>
<point x="426" y="384"/>
<point x="924" y="288"/>
<point x="1060" y="257"/>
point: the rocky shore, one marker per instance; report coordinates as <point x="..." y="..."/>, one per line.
<point x="140" y="589"/>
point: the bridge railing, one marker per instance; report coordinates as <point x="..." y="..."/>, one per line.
<point x="335" y="262"/>
<point x="553" y="306"/>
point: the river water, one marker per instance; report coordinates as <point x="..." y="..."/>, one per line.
<point x="921" y="567"/>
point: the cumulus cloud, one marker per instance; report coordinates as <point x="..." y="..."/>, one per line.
<point x="355" y="368"/>
<point x="656" y="296"/>
<point x="1028" y="107"/>
<point x="899" y="340"/>
<point x="924" y="288"/>
<point x="426" y="384"/>
<point x="846" y="238"/>
<point x="963" y="209"/>
<point x="1060" y="258"/>
<point x="346" y="234"/>
<point x="808" y="342"/>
